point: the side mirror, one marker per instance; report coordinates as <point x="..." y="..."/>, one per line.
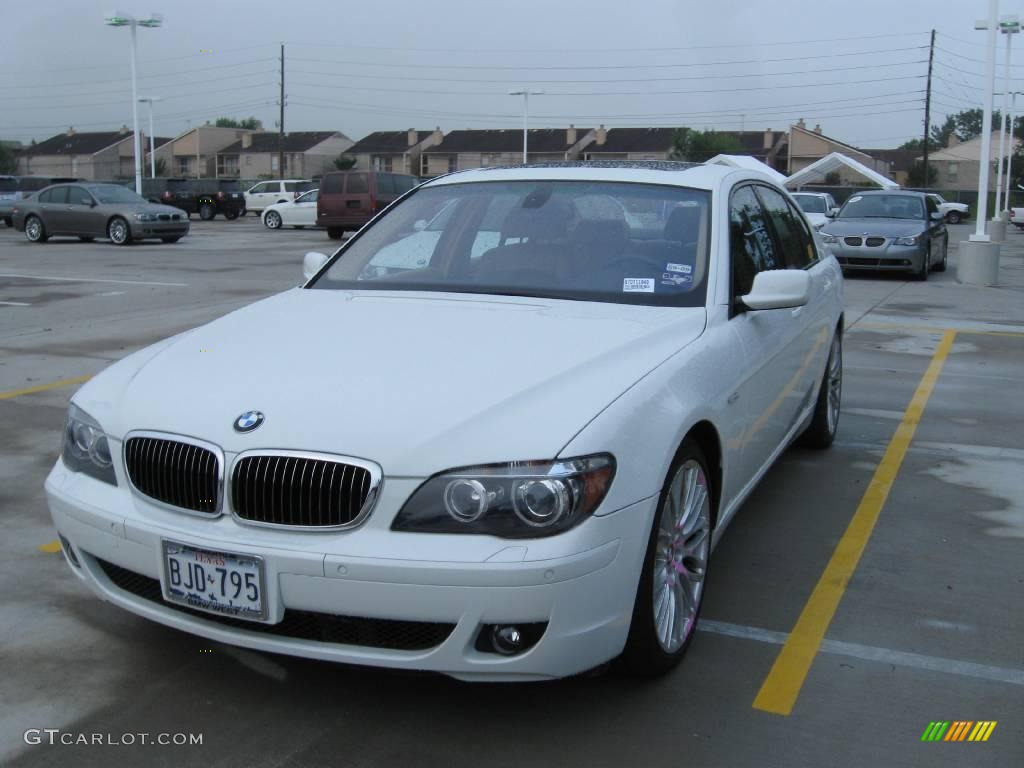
<point x="832" y="212"/>
<point x="420" y="225"/>
<point x="936" y="216"/>
<point x="312" y="263"/>
<point x="779" y="289"/>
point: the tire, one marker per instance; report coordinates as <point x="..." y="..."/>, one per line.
<point x="941" y="266"/>
<point x="675" y="566"/>
<point x="170" y="240"/>
<point x="35" y="231"/>
<point x="9" y="221"/>
<point x="954" y="217"/>
<point x="230" y="215"/>
<point x="822" y="430"/>
<point x="119" y="232"/>
<point x="334" y="233"/>
<point x="207" y="212"/>
<point x="921" y="275"/>
<point x="86" y="238"/>
<point x="272" y="220"/>
<point x="241" y="213"/>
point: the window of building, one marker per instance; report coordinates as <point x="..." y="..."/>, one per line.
<point x="182" y="166"/>
<point x="453" y="163"/>
<point x="383" y="163"/>
<point x="952" y="171"/>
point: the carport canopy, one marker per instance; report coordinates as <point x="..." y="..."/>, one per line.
<point x="816" y="172"/>
<point x="748" y="163"/>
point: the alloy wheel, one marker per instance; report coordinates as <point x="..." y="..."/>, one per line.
<point x="681" y="555"/>
<point x="835" y="383"/>
<point x="33" y="229"/>
<point x="118" y="232"/>
<point x="273" y="219"/>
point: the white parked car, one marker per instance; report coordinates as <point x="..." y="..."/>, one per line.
<point x="266" y="193"/>
<point x="299" y="213"/>
<point x="954" y="213"/>
<point x="818" y="207"/>
<point x="500" y="462"/>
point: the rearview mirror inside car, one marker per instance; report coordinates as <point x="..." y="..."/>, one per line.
<point x="312" y="262"/>
<point x="779" y="289"/>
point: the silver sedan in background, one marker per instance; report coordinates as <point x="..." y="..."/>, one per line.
<point x="889" y="230"/>
<point x="88" y="211"/>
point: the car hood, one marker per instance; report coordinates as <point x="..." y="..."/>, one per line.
<point x="883" y="227"/>
<point x="417" y="383"/>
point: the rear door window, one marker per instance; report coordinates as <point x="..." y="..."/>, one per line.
<point x="751" y="246"/>
<point x="795" y="242"/>
<point x="289" y="186"/>
<point x="357" y="184"/>
<point x="57" y="195"/>
<point x="79" y="196"/>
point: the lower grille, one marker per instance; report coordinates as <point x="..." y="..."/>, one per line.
<point x="874" y="242"/>
<point x="177" y="473"/>
<point x="299" y="491"/>
<point x="852" y="240"/>
<point x="856" y="262"/>
<point x="391" y="634"/>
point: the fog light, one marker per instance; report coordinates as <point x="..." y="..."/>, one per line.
<point x="509" y="639"/>
<point x="69" y="551"/>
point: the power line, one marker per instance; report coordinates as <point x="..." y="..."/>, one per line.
<point x="141" y="77"/>
<point x="188" y="95"/>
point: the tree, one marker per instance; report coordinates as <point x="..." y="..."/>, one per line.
<point x="833" y="179"/>
<point x="344" y="162"/>
<point x="251" y="123"/>
<point x="915" y="176"/>
<point x="8" y="160"/>
<point x="700" y="146"/>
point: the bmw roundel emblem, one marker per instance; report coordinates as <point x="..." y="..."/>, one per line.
<point x="248" y="421"/>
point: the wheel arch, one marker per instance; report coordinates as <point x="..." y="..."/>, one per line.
<point x="705" y="434"/>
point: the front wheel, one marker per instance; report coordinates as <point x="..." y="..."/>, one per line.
<point x="207" y="212"/>
<point x="922" y="274"/>
<point x="272" y="220"/>
<point x="953" y="217"/>
<point x="822" y="430"/>
<point x="118" y="231"/>
<point x="230" y="215"/>
<point x="35" y="232"/>
<point x="941" y="266"/>
<point x="671" y="587"/>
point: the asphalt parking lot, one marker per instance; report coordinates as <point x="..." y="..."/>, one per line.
<point x="860" y="594"/>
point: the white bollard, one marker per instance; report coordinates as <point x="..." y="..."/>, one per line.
<point x="978" y="263"/>
<point x="997" y="230"/>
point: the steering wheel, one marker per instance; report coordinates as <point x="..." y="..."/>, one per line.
<point x="630" y="266"/>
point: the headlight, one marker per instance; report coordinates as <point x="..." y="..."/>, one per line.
<point x="906" y="240"/>
<point x="513" y="501"/>
<point x="86" y="448"/>
<point x="829" y="239"/>
<point x="146" y="217"/>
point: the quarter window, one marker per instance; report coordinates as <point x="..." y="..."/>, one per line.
<point x="794" y="240"/>
<point x="751" y="248"/>
<point x="55" y="195"/>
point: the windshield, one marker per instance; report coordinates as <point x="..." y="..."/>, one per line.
<point x="598" y="241"/>
<point x="810" y="203"/>
<point x="882" y="207"/>
<point x="115" y="195"/>
<point x="309" y="197"/>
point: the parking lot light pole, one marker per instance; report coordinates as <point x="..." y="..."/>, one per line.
<point x="121" y="19"/>
<point x="1009" y="150"/>
<point x="152" y="141"/>
<point x="1009" y="26"/>
<point x="526" y="93"/>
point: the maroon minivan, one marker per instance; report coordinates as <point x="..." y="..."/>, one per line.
<point x="349" y="199"/>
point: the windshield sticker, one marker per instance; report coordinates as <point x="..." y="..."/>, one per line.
<point x="638" y="285"/>
<point x="684" y="268"/>
<point x="671" y="278"/>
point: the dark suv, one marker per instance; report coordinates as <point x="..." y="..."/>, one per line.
<point x="349" y="199"/>
<point x="207" y="197"/>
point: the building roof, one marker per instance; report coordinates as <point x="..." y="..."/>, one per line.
<point x="823" y="137"/>
<point x="898" y="159"/>
<point x="87" y="143"/>
<point x="634" y="140"/>
<point x="968" y="150"/>
<point x="506" y="140"/>
<point x="834" y="162"/>
<point x="386" y="142"/>
<point x="266" y="141"/>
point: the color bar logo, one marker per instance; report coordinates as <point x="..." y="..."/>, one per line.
<point x="959" y="730"/>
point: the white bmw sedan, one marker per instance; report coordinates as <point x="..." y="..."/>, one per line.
<point x="505" y="457"/>
<point x="298" y="213"/>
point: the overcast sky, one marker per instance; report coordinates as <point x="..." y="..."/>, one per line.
<point x="856" y="68"/>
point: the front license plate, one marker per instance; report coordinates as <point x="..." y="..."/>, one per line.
<point x="218" y="582"/>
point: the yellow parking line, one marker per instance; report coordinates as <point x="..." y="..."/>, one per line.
<point x="934" y="329"/>
<point x="780" y="689"/>
<point x="51" y="547"/>
<point x="43" y="387"/>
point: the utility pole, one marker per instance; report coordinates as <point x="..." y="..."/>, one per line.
<point x="526" y="93"/>
<point x="928" y="107"/>
<point x="280" y="124"/>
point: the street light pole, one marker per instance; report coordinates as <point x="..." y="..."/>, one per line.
<point x="1009" y="26"/>
<point x="1010" y="148"/>
<point x="992" y="28"/>
<point x="120" y="19"/>
<point x="152" y="141"/>
<point x="526" y="93"/>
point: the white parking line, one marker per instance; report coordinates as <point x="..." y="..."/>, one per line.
<point x="15" y="304"/>
<point x="93" y="280"/>
<point x="870" y="653"/>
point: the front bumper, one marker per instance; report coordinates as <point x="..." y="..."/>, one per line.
<point x="887" y="257"/>
<point x="143" y="229"/>
<point x="585" y="595"/>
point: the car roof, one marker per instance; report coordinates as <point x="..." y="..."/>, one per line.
<point x="904" y="192"/>
<point x="663" y="172"/>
